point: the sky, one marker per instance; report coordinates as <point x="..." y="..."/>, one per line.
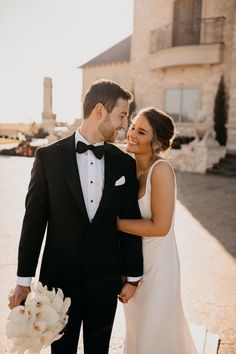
<point x="51" y="38"/>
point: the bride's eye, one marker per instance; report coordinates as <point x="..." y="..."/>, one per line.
<point x="131" y="128"/>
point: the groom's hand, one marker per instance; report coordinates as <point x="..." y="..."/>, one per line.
<point x="18" y="295"/>
<point x="126" y="293"/>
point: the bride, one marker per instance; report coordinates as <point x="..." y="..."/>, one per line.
<point x="155" y="321"/>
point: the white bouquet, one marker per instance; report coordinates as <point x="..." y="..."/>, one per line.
<point x="39" y="322"/>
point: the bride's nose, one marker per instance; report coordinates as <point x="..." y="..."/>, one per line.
<point x="131" y="132"/>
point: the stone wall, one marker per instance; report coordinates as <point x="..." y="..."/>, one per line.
<point x="231" y="143"/>
<point x="118" y="72"/>
<point x="149" y="85"/>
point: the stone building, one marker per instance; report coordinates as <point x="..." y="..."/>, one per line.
<point x="175" y="58"/>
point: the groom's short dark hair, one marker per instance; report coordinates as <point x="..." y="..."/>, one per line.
<point x="106" y="92"/>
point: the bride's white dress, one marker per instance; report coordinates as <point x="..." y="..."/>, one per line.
<point x="155" y="321"/>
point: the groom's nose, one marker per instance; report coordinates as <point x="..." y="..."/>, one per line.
<point x="124" y="123"/>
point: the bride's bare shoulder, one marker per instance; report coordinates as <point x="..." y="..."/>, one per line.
<point x="162" y="170"/>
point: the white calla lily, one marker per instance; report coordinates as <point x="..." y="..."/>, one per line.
<point x="57" y="303"/>
<point x="40" y="322"/>
<point x="65" y="306"/>
<point x="48" y="314"/>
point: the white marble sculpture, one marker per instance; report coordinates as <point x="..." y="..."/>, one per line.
<point x="204" y="129"/>
<point x="203" y="152"/>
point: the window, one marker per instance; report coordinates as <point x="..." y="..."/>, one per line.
<point x="187" y="22"/>
<point x="182" y="104"/>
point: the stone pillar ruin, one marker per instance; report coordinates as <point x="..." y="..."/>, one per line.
<point x="48" y="117"/>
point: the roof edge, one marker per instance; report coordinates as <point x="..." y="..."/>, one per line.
<point x="120" y="52"/>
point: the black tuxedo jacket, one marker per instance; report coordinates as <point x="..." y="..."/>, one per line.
<point x="78" y="251"/>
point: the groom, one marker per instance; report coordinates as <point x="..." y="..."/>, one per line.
<point x="79" y="186"/>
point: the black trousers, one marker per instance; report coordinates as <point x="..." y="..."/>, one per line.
<point x="94" y="308"/>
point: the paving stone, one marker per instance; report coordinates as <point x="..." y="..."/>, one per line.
<point x="205" y="233"/>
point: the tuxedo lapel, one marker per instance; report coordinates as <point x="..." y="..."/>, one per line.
<point x="111" y="167"/>
<point x="71" y="172"/>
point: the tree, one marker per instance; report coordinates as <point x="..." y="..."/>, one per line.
<point x="220" y="113"/>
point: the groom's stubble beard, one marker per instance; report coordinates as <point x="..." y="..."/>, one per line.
<point x="106" y="129"/>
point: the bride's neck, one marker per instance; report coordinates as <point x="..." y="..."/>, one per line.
<point x="144" y="162"/>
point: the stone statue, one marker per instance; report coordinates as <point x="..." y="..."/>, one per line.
<point x="204" y="129"/>
<point x="203" y="152"/>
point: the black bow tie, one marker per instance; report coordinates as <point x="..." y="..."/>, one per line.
<point x="97" y="150"/>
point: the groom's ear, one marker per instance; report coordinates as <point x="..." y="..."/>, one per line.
<point x="100" y="111"/>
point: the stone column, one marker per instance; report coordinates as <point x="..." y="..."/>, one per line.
<point x="231" y="126"/>
<point x="47" y="115"/>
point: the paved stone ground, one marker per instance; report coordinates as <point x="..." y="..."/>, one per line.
<point x="205" y="230"/>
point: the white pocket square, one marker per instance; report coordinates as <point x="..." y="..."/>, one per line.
<point x="120" y="181"/>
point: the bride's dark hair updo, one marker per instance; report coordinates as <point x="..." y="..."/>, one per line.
<point x="162" y="125"/>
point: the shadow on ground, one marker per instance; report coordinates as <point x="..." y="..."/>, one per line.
<point x="212" y="201"/>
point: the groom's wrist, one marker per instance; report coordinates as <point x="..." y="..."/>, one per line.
<point x="133" y="279"/>
<point x="134" y="283"/>
<point x="24" y="281"/>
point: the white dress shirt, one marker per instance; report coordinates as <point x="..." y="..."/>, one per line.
<point x="91" y="172"/>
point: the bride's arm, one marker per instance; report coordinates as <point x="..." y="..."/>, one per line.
<point x="162" y="205"/>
